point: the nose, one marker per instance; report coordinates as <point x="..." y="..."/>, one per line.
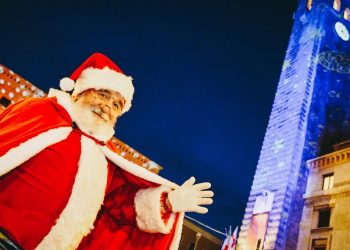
<point x="106" y="108"/>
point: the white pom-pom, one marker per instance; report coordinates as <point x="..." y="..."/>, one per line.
<point x="67" y="84"/>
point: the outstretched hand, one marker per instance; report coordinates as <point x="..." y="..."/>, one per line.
<point x="189" y="197"/>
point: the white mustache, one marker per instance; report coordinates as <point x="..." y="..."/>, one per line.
<point x="100" y="112"/>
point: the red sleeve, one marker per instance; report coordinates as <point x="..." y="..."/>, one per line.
<point x="165" y="209"/>
<point x="119" y="199"/>
<point x="120" y="196"/>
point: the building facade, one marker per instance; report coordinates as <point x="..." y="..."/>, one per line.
<point x="310" y="113"/>
<point x="197" y="238"/>
<point x="325" y="222"/>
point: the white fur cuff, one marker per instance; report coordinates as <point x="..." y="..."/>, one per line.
<point x="148" y="211"/>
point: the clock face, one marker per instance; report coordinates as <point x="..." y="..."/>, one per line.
<point x="342" y="31"/>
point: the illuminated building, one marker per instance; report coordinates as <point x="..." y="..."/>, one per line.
<point x="311" y="112"/>
<point x="325" y="220"/>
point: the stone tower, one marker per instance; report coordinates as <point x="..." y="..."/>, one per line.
<point x="310" y="113"/>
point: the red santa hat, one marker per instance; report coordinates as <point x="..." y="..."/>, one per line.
<point x="100" y="72"/>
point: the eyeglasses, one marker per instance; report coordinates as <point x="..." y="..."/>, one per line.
<point x="116" y="100"/>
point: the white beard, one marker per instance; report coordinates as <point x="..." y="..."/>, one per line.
<point x="90" y="124"/>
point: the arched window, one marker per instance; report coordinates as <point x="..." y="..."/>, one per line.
<point x="347" y="14"/>
<point x="336" y="5"/>
<point x="309" y="4"/>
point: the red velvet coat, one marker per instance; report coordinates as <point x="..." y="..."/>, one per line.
<point x="60" y="189"/>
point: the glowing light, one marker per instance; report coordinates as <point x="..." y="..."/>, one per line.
<point x="278" y="145"/>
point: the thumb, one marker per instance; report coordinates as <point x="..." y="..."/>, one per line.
<point x="189" y="182"/>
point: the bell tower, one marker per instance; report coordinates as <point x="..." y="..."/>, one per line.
<point x="310" y="113"/>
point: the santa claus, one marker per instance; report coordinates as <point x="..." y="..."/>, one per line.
<point x="62" y="185"/>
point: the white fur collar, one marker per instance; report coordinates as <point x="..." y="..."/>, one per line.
<point x="136" y="170"/>
<point x="27" y="149"/>
<point x="88" y="191"/>
<point x="65" y="100"/>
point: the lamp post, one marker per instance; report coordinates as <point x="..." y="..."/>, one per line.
<point x="198" y="236"/>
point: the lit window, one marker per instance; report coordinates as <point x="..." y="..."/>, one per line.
<point x="328" y="181"/>
<point x="258" y="245"/>
<point x="347" y="14"/>
<point x="309" y="4"/>
<point x="336" y="5"/>
<point x="319" y="244"/>
<point x="324" y="217"/>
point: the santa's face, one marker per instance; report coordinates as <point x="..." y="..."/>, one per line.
<point x="104" y="106"/>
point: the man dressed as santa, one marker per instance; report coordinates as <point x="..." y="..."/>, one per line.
<point x="62" y="186"/>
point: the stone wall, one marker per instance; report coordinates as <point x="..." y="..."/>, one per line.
<point x="336" y="198"/>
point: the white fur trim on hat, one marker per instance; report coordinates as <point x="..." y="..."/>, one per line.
<point x="106" y="78"/>
<point x="66" y="84"/>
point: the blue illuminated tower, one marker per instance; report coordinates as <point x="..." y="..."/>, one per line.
<point x="310" y="113"/>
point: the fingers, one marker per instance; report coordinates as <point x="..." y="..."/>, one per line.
<point x="189" y="182"/>
<point x="200" y="210"/>
<point x="206" y="194"/>
<point x="202" y="186"/>
<point x="205" y="201"/>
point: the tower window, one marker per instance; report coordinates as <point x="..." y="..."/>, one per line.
<point x="328" y="181"/>
<point x="347" y="14"/>
<point x="258" y="245"/>
<point x="324" y="217"/>
<point x="336" y="5"/>
<point x="309" y="4"/>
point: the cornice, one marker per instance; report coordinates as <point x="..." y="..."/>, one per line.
<point x="331" y="159"/>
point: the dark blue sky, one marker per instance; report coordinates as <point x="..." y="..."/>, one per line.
<point x="205" y="74"/>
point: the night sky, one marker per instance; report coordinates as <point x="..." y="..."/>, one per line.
<point x="205" y="75"/>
